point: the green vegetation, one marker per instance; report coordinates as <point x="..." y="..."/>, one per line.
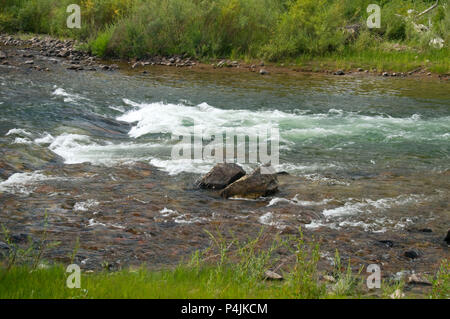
<point x="276" y="30"/>
<point x="228" y="269"/>
<point x="302" y="32"/>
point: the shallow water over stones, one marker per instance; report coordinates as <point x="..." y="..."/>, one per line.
<point x="367" y="162"/>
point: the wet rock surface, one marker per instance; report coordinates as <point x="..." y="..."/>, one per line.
<point x="80" y="60"/>
<point x="258" y="184"/>
<point x="39" y="51"/>
<point x="221" y="176"/>
<point x="77" y="60"/>
<point x="413" y="254"/>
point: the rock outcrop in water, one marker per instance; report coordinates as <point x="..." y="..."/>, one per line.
<point x="6" y="170"/>
<point x="221" y="176"/>
<point x="252" y="186"/>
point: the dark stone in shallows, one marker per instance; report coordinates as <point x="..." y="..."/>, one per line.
<point x="221" y="176"/>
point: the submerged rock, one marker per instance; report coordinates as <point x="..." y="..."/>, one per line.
<point x="252" y="186"/>
<point x="221" y="176"/>
<point x="412" y="254"/>
<point x="6" y="170"/>
<point x="387" y="243"/>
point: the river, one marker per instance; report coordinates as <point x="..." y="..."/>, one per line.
<point x="367" y="157"/>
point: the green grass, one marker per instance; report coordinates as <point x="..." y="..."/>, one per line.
<point x="376" y="59"/>
<point x="20" y="282"/>
<point x="281" y="31"/>
<point x="228" y="269"/>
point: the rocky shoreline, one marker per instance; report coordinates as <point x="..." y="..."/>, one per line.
<point x="80" y="60"/>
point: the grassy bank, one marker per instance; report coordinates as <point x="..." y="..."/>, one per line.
<point x="227" y="269"/>
<point x="316" y="32"/>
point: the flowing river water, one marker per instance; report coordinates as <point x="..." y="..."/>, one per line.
<point x="367" y="157"/>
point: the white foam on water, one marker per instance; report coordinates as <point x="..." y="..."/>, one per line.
<point x="68" y="97"/>
<point x="347" y="209"/>
<point x="317" y="224"/>
<point x="181" y="218"/>
<point x="45" y="138"/>
<point x="24" y="183"/>
<point x="117" y="108"/>
<point x="76" y="148"/>
<point x="269" y="219"/>
<point x="299" y="169"/>
<point x="297" y="202"/>
<point x="85" y="206"/>
<point x="178" y="119"/>
<point x="324" y="180"/>
<point x="92" y="223"/>
<point x="20" y="140"/>
<point x="367" y="205"/>
<point x="358" y="214"/>
<point x="184" y="219"/>
<point x="18" y="131"/>
<point x="175" y="167"/>
<point x="165" y="212"/>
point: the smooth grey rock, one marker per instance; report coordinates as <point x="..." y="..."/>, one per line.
<point x="252" y="186"/>
<point x="221" y="176"/>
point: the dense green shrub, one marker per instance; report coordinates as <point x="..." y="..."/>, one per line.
<point x="274" y="29"/>
<point x="309" y="26"/>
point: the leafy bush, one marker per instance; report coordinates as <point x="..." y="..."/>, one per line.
<point x="309" y="26"/>
<point x="99" y="46"/>
<point x="274" y="29"/>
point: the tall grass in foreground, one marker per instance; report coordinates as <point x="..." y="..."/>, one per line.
<point x="225" y="270"/>
<point x="228" y="269"/>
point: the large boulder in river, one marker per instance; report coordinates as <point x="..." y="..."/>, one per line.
<point x="221" y="176"/>
<point x="252" y="186"/>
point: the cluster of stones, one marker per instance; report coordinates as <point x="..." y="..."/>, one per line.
<point x="54" y="48"/>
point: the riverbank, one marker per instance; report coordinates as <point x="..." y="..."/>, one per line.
<point x="247" y="271"/>
<point x="370" y="64"/>
<point x="333" y="35"/>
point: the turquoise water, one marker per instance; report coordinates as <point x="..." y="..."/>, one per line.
<point x="342" y="125"/>
<point x="368" y="159"/>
